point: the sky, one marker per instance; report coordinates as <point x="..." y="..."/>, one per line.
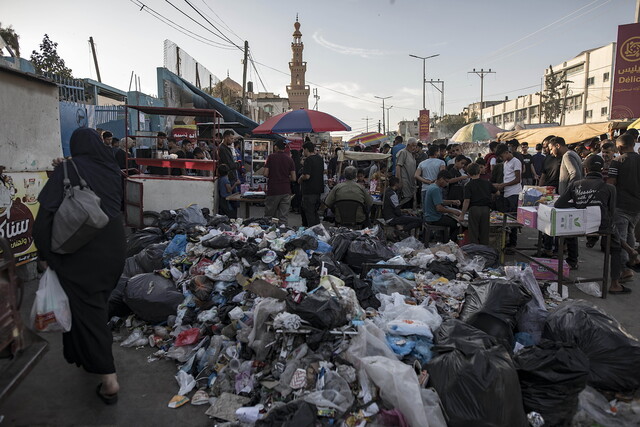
<point x="355" y="49"/>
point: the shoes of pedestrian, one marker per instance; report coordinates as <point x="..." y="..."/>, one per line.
<point x="573" y="265"/>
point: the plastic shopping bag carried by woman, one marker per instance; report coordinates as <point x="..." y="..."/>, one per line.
<point x="51" y="311"/>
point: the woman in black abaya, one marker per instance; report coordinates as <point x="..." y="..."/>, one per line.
<point x="89" y="275"/>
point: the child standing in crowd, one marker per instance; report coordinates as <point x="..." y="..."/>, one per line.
<point x="225" y="189"/>
<point x="477" y="201"/>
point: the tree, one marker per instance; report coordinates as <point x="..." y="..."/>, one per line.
<point x="551" y="97"/>
<point x="48" y="60"/>
<point x="12" y="39"/>
<point x="450" y="123"/>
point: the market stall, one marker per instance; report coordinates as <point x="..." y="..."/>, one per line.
<point x="571" y="134"/>
<point x="145" y="192"/>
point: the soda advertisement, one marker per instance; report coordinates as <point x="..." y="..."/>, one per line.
<point x="18" y="209"/>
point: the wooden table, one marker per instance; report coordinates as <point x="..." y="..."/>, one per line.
<point x="246" y="201"/>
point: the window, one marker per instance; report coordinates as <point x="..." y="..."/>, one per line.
<point x="497" y="120"/>
<point x="605" y="77"/>
<point x="508" y="117"/>
<point x="591" y="81"/>
<point x="604" y="111"/>
<point x="574" y="103"/>
<point x="533" y="112"/>
<point x="521" y="115"/>
<point x="589" y="114"/>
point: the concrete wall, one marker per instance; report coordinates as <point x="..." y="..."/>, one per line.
<point x="30" y="122"/>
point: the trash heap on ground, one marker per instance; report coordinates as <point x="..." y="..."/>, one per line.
<point x="271" y="326"/>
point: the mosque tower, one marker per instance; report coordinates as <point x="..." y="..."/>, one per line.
<point x="297" y="91"/>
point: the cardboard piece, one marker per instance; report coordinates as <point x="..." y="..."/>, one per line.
<point x="568" y="222"/>
<point x="528" y="216"/>
<point x="542" y="273"/>
<point x="226" y="406"/>
<point x="262" y="288"/>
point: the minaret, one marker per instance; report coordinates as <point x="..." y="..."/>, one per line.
<point x="297" y="91"/>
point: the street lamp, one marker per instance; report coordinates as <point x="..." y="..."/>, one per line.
<point x="388" y="119"/>
<point x="424" y="75"/>
<point x="384" y="127"/>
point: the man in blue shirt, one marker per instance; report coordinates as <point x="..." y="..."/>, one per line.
<point x="397" y="146"/>
<point x="434" y="207"/>
<point x="428" y="170"/>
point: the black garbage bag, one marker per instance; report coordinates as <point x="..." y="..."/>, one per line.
<point x="340" y="243"/>
<point x="132" y="268"/>
<point x="294" y="414"/>
<point x="190" y="217"/>
<point x="117" y="306"/>
<point x="319" y="309"/>
<point x="143" y="238"/>
<point x="493" y="306"/>
<point x="366" y="250"/>
<point x="201" y="287"/>
<point x="475" y="379"/>
<point x="552" y="375"/>
<point x="152" y="297"/>
<point x="221" y="241"/>
<point x="304" y="242"/>
<point x="249" y="252"/>
<point x="490" y="255"/>
<point x="167" y="219"/>
<point x="614" y="355"/>
<point x="150" y="258"/>
<point x="364" y="292"/>
<point x="444" y="268"/>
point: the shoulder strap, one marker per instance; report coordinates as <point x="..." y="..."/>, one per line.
<point x="66" y="181"/>
<point x="83" y="183"/>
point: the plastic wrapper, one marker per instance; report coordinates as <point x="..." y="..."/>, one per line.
<point x="188" y="337"/>
<point x="407" y="246"/>
<point x="175" y="248"/>
<point x="552" y="375"/>
<point x="300" y="258"/>
<point x="614" y="355"/>
<point x="186" y="382"/>
<point x="432" y="407"/>
<point x="394" y="308"/>
<point x="335" y="394"/>
<point x="221" y="241"/>
<point x="475" y="264"/>
<point x="589" y="288"/>
<point x="594" y="409"/>
<point x="493" y="307"/>
<point x="471" y="374"/>
<point x="259" y="337"/>
<point x="389" y="283"/>
<point x="370" y="341"/>
<point x="139" y="240"/>
<point x="135" y="339"/>
<point x="398" y="386"/>
<point x="152" y="297"/>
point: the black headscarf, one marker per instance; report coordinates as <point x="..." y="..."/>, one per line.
<point x="96" y="164"/>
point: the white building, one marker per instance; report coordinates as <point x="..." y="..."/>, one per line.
<point x="588" y="96"/>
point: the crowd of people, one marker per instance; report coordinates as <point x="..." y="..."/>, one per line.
<point x="436" y="184"/>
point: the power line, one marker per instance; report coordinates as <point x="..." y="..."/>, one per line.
<point x="253" y="64"/>
<point x="180" y="28"/>
<point x="224" y="36"/>
<point x="221" y="21"/>
<point x="188" y="16"/>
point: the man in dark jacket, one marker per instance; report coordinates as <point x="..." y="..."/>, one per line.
<point x="227" y="155"/>
<point x="391" y="211"/>
<point x="592" y="191"/>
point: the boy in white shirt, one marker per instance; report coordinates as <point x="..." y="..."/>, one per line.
<point x="510" y="187"/>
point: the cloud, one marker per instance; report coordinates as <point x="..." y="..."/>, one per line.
<point x="346" y="50"/>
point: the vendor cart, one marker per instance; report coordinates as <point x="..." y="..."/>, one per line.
<point x="147" y="194"/>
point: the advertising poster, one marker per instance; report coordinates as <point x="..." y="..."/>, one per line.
<point x="625" y="102"/>
<point x="423" y="125"/>
<point x="18" y="208"/>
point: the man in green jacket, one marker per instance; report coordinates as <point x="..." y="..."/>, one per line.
<point x="351" y="190"/>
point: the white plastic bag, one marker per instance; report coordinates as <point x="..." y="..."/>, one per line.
<point x="51" y="311"/>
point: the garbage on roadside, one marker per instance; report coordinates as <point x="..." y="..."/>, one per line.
<point x="272" y="326"/>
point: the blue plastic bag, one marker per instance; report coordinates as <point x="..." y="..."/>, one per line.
<point x="176" y="248"/>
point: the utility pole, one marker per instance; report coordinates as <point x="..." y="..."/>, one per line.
<point x="95" y="58"/>
<point x="441" y="90"/>
<point x="178" y="61"/>
<point x="367" y="120"/>
<point x="481" y="73"/>
<point x="379" y="126"/>
<point x="384" y="127"/>
<point x="244" y="76"/>
<point x="388" y="120"/>
<point x="424" y="75"/>
<point x="317" y="98"/>
<point x="637" y="11"/>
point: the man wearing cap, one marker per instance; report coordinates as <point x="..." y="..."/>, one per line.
<point x="280" y="172"/>
<point x="593" y="191"/>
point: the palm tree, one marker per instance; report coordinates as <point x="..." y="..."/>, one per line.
<point x="10" y="37"/>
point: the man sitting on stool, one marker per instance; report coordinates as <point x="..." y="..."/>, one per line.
<point x="434" y="206"/>
<point x="350" y="190"/>
<point x="391" y="211"/>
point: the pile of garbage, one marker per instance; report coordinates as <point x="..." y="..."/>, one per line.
<point x="272" y="326"/>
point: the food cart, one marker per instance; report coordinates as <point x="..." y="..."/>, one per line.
<point x="147" y="194"/>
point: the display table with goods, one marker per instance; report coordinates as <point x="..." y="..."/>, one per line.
<point x="270" y="325"/>
<point x="247" y="199"/>
<point x="538" y="213"/>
